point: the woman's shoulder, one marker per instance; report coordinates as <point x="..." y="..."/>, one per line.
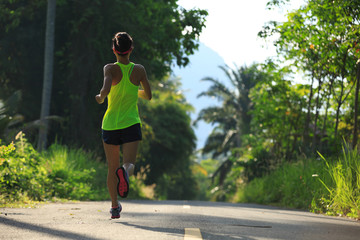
<point x="109" y="65"/>
<point x="138" y="71"/>
<point x="111" y="68"/>
<point x="139" y="68"/>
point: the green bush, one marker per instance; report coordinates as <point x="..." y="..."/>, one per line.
<point x="60" y="172"/>
<point x="328" y="186"/>
<point x="75" y="174"/>
<point x="203" y="173"/>
<point x="81" y="175"/>
<point x="22" y="172"/>
<point x="291" y="185"/>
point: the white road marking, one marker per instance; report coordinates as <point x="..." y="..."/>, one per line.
<point x="192" y="234"/>
<point x="186" y="206"/>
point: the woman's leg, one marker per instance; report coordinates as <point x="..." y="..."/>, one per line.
<point x="129" y="154"/>
<point x="112" y="153"/>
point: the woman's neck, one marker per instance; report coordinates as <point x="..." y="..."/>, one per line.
<point x="124" y="60"/>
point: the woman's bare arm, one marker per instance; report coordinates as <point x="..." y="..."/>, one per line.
<point x="105" y="90"/>
<point x="146" y="92"/>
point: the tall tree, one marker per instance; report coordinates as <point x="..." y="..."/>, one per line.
<point x="318" y="38"/>
<point x="48" y="73"/>
<point x="356" y="100"/>
<point x="232" y="119"/>
<point x="278" y="115"/>
<point x="351" y="12"/>
<point x="163" y="32"/>
<point x="169" y="142"/>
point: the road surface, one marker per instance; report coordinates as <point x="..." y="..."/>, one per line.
<point x="157" y="220"/>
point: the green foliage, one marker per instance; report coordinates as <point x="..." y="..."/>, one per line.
<point x="59" y="173"/>
<point x="177" y="184"/>
<point x="229" y="186"/>
<point x="72" y="172"/>
<point x="266" y="121"/>
<point x="22" y="172"/>
<point x="203" y="172"/>
<point x="277" y="117"/>
<point x="292" y="185"/>
<point x="163" y="33"/>
<point x="343" y="196"/>
<point x="320" y="39"/>
<point x="320" y="185"/>
<point x="232" y="119"/>
<point x="81" y="175"/>
<point x="167" y="157"/>
<point x="290" y="119"/>
<point x="257" y="163"/>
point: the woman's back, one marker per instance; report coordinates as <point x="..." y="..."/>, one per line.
<point x="122" y="110"/>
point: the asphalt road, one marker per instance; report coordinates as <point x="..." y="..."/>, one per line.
<point x="171" y="220"/>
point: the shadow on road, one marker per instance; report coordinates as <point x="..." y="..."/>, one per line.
<point x="180" y="233"/>
<point x="45" y="230"/>
<point x="240" y="224"/>
<point x="171" y="231"/>
<point x="252" y="206"/>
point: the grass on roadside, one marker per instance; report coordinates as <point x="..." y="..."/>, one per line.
<point x="292" y="185"/>
<point x="344" y="191"/>
<point x="58" y="174"/>
<point x="83" y="175"/>
<point x="323" y="186"/>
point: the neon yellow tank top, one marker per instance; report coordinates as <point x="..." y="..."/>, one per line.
<point x="122" y="111"/>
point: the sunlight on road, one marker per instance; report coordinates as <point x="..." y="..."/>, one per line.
<point x="192" y="234"/>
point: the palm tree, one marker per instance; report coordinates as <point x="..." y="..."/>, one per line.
<point x="231" y="119"/>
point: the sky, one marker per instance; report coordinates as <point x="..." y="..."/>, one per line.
<point x="232" y="27"/>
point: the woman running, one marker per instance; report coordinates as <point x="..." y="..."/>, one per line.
<point x="121" y="123"/>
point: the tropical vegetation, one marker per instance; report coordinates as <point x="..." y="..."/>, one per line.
<point x="285" y="132"/>
<point x="83" y="32"/>
<point x="279" y="117"/>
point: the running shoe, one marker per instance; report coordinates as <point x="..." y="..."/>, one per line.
<point x="123" y="184"/>
<point x="115" y="211"/>
<point x="129" y="167"/>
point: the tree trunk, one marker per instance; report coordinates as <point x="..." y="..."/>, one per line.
<point x="314" y="143"/>
<point x="48" y="73"/>
<point x="355" y="134"/>
<point x="339" y="102"/>
<point x="297" y="135"/>
<point x="307" y="122"/>
<point x="326" y="114"/>
<point x="337" y="119"/>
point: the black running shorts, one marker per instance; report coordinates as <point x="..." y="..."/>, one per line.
<point x="121" y="136"/>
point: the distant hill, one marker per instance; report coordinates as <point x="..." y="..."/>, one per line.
<point x="204" y="63"/>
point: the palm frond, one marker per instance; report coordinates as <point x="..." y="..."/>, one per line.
<point x="232" y="118"/>
<point x="218" y="115"/>
<point x="229" y="135"/>
<point x="222" y="171"/>
<point x="227" y="70"/>
<point x="220" y="142"/>
<point x="213" y="144"/>
<point x="11" y="104"/>
<point x="217" y="90"/>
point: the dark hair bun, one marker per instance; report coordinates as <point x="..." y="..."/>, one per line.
<point x="122" y="42"/>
